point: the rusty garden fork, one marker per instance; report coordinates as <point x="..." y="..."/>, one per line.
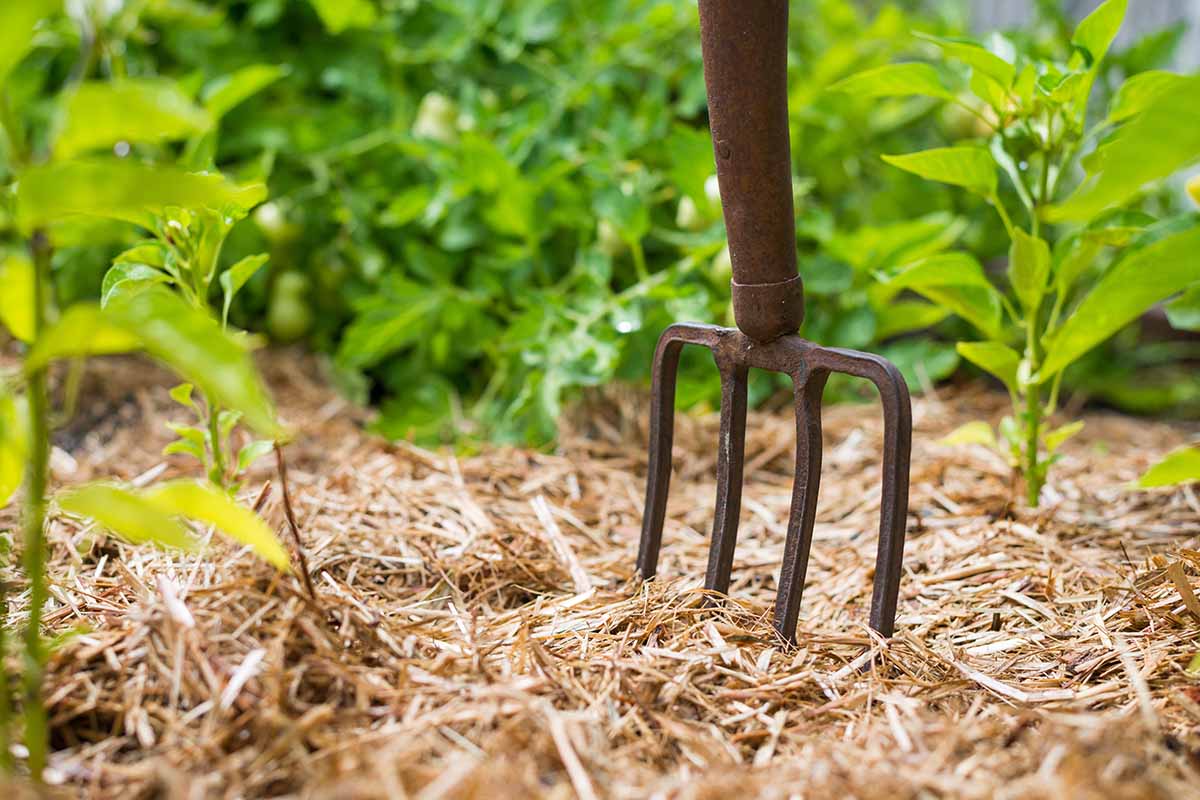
<point x="745" y="68"/>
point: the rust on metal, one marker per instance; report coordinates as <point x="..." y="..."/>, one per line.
<point x="745" y="65"/>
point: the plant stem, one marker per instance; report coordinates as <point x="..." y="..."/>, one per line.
<point x="36" y="735"/>
<point x="217" y="446"/>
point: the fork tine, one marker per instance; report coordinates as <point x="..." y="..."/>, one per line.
<point x="662" y="437"/>
<point x="808" y="388"/>
<point x="893" y="507"/>
<point x="730" y="460"/>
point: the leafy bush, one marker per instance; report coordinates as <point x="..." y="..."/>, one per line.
<point x="1081" y="268"/>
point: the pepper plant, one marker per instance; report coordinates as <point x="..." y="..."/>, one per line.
<point x="54" y="185"/>
<point x="1083" y="260"/>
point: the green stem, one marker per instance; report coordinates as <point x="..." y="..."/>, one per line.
<point x="1008" y="226"/>
<point x="217" y="446"/>
<point x="36" y="735"/>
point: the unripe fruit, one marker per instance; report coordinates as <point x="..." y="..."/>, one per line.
<point x="289" y="316"/>
<point x="437" y="119"/>
<point x="609" y="239"/>
<point x="687" y="216"/>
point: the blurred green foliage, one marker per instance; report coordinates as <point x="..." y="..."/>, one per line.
<point x="480" y="207"/>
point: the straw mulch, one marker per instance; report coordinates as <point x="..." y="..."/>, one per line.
<point x="476" y="631"/>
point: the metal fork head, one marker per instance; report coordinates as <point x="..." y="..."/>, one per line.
<point x="809" y="365"/>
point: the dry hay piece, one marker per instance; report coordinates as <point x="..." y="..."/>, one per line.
<point x="477" y="632"/>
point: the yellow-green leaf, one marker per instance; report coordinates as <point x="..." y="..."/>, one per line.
<point x="17" y="277"/>
<point x="14" y="440"/>
<point x="194" y="345"/>
<point x="1054" y="439"/>
<point x="1134" y="285"/>
<point x="895" y="80"/>
<point x="979" y="59"/>
<point x="131" y="516"/>
<point x="18" y="20"/>
<point x="207" y="504"/>
<point x="122" y="189"/>
<point x="339" y="15"/>
<point x="1180" y="466"/>
<point x="1097" y="30"/>
<point x="228" y="91"/>
<point x="969" y="167"/>
<point x="996" y="358"/>
<point x="977" y="432"/>
<point x="82" y="330"/>
<point x="1140" y="91"/>
<point x="98" y="114"/>
<point x="1028" y="269"/>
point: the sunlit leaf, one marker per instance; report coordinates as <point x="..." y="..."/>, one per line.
<point x="978" y="58"/>
<point x="1140" y="91"/>
<point x="969" y="167"/>
<point x="125" y="277"/>
<point x="210" y="505"/>
<point x="234" y="278"/>
<point x="122" y="189"/>
<point x="977" y="432"/>
<point x="82" y="330"/>
<point x="194" y="345"/>
<point x="1134" y="285"/>
<point x="17" y="283"/>
<point x="1054" y="439"/>
<point x="14" y="442"/>
<point x="339" y="15"/>
<point x="1097" y="30"/>
<point x="133" y="517"/>
<point x="1184" y="311"/>
<point x="253" y="452"/>
<point x="98" y="114"/>
<point x="1180" y="466"/>
<point x="225" y="93"/>
<point x="1152" y="145"/>
<point x="18" y="19"/>
<point x="1028" y="269"/>
<point x="905" y="316"/>
<point x="956" y="282"/>
<point x="995" y="358"/>
<point x="895" y="80"/>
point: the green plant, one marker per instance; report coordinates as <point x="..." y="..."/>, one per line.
<point x="52" y="189"/>
<point x="1079" y="268"/>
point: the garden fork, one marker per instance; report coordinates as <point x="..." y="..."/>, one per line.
<point x="745" y="68"/>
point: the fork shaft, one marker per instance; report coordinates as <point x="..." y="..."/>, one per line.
<point x="730" y="460"/>
<point x="744" y="44"/>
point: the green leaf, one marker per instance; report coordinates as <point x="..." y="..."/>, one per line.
<point x="18" y="20"/>
<point x="995" y="358"/>
<point x="339" y="15"/>
<point x="1054" y="439"/>
<point x="970" y="167"/>
<point x="1134" y="285"/>
<point x="1164" y="137"/>
<point x="121" y="189"/>
<point x="1077" y="255"/>
<point x="99" y="114"/>
<point x="83" y="330"/>
<point x="182" y="394"/>
<point x="209" y="505"/>
<point x="977" y="432"/>
<point x="14" y="443"/>
<point x="227" y="92"/>
<point x="1140" y="91"/>
<point x="131" y="516"/>
<point x="253" y="452"/>
<point x="973" y="55"/>
<point x="125" y="277"/>
<point x="409" y="204"/>
<point x="895" y="80"/>
<point x="17" y="279"/>
<point x="1180" y="466"/>
<point x="1028" y="269"/>
<point x="150" y="253"/>
<point x="1184" y="312"/>
<point x="956" y="282"/>
<point x="234" y="278"/>
<point x="1096" y="32"/>
<point x="194" y="345"/>
<point x="905" y="316"/>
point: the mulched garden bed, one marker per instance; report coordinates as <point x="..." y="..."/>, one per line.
<point x="476" y="631"/>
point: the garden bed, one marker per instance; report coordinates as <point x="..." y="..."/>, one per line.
<point x="476" y="631"/>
